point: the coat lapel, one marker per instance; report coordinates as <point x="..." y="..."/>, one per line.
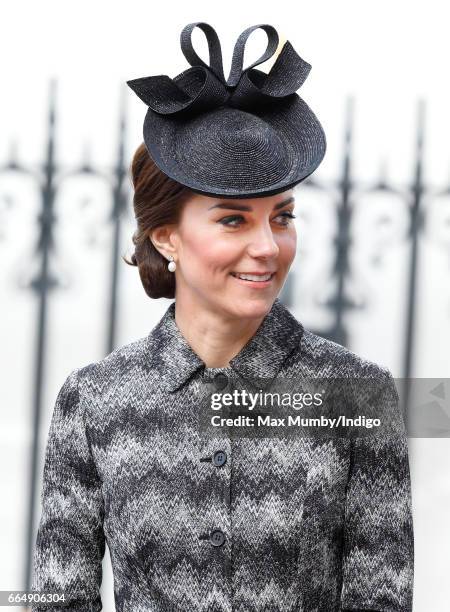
<point x="262" y="357"/>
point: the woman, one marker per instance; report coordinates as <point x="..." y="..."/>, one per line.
<point x="197" y="519"/>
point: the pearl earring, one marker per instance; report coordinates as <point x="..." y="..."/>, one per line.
<point x="172" y="265"/>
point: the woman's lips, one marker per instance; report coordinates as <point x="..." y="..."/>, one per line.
<point x="255" y="284"/>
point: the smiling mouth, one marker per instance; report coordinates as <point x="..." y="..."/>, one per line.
<point x="254" y="278"/>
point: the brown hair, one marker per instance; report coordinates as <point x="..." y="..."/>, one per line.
<point x="157" y="201"/>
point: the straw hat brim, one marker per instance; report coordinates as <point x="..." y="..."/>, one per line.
<point x="229" y="152"/>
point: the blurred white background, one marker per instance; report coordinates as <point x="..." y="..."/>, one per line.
<point x="387" y="55"/>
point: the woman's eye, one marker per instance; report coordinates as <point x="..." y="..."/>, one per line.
<point x="230" y="221"/>
<point x="288" y="216"/>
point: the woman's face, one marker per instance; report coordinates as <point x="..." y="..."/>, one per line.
<point x="217" y="239"/>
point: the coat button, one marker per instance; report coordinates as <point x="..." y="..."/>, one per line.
<point x="220" y="380"/>
<point x="217" y="537"/>
<point x="219" y="458"/>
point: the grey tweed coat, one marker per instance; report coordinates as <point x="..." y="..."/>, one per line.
<point x="205" y="524"/>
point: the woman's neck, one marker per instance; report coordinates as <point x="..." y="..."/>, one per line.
<point x="215" y="338"/>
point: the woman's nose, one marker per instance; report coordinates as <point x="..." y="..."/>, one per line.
<point x="263" y="243"/>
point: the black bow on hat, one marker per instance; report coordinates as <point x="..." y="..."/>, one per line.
<point x="204" y="87"/>
<point x="248" y="136"/>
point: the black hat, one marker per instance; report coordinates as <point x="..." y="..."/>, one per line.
<point x="248" y="136"/>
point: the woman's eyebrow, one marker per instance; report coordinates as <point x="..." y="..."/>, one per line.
<point x="244" y="207"/>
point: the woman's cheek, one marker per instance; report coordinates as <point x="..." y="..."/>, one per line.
<point x="289" y="245"/>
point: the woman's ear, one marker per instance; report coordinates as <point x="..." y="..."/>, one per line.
<point x="162" y="239"/>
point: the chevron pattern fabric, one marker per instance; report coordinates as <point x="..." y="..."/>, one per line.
<point x="198" y="523"/>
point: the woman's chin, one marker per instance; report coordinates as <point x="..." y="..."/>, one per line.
<point x="251" y="307"/>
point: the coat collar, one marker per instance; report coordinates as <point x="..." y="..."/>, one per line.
<point x="262" y="357"/>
